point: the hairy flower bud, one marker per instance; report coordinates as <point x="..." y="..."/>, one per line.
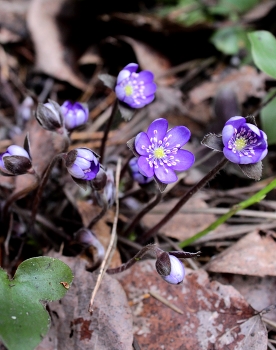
<point x="49" y="116"/>
<point x="170" y="268"/>
<point x="15" y="161"/>
<point x="83" y="165"/>
<point x="75" y="114"/>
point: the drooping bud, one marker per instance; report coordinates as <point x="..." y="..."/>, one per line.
<point x="170" y="268"/>
<point x="16" y="160"/>
<point x="108" y="193"/>
<point x="83" y="165"/>
<point x="100" y="180"/>
<point x="49" y="116"/>
<point x="75" y="114"/>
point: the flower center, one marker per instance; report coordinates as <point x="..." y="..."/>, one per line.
<point x="159" y="153"/>
<point x="128" y="90"/>
<point x="243" y="142"/>
<point x="240" y="143"/>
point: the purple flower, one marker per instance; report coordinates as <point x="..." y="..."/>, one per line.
<point x="135" y="89"/>
<point x="75" y="114"/>
<point x="243" y="142"/>
<point x="160" y="153"/>
<point x="135" y="173"/>
<point x="15" y="161"/>
<point x="82" y="164"/>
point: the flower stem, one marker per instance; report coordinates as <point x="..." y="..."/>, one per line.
<point x="144" y="211"/>
<point x="107" y="129"/>
<point x="137" y="257"/>
<point x="151" y="232"/>
<point x="20" y="194"/>
<point x="41" y="187"/>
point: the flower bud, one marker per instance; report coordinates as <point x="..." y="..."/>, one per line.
<point x="83" y="165"/>
<point x="108" y="193"/>
<point x="74" y="114"/>
<point x="49" y="116"/>
<point x="15" y="161"/>
<point x="135" y="173"/>
<point x="170" y="268"/>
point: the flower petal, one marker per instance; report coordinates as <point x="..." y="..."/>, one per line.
<point x="82" y="163"/>
<point x="94" y="169"/>
<point x="141" y="143"/>
<point x="76" y="171"/>
<point x="165" y="174"/>
<point x="227" y="133"/>
<point x="230" y="155"/>
<point x="236" y="122"/>
<point x="132" y="67"/>
<point x="149" y="89"/>
<point x="183" y="159"/>
<point x="158" y="129"/>
<point x="145" y="101"/>
<point x="120" y="92"/>
<point x="145" y="76"/>
<point x="123" y="75"/>
<point x="178" y="136"/>
<point x="15" y="150"/>
<point x="144" y="167"/>
<point x="86" y="154"/>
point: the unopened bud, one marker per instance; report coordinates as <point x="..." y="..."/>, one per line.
<point x="15" y="161"/>
<point x="49" y="116"/>
<point x="75" y="114"/>
<point x="170" y="268"/>
<point x="100" y="180"/>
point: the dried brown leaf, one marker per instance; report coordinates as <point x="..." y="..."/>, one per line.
<point x="110" y="326"/>
<point x="182" y="225"/>
<point x="245" y="82"/>
<point x="214" y="315"/>
<point x="253" y="255"/>
<point x="46" y="35"/>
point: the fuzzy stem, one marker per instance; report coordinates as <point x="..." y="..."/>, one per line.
<point x="151" y="232"/>
<point x="20" y="194"/>
<point x="136" y="258"/>
<point x="107" y="129"/>
<point x="144" y="211"/>
<point x="41" y="187"/>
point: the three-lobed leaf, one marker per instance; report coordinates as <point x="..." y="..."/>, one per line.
<point x="24" y="320"/>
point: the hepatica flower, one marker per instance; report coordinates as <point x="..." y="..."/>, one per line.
<point x="15" y="161"/>
<point x="82" y="164"/>
<point x="170" y="268"/>
<point x="159" y="151"/>
<point x="243" y="142"/>
<point x="135" y="89"/>
<point x="75" y="114"/>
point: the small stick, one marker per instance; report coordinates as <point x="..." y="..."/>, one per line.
<point x="112" y="242"/>
<point x="166" y="302"/>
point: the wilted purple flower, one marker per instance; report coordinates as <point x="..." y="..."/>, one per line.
<point x="243" y="142"/>
<point x="15" y="161"/>
<point x="82" y="164"/>
<point x="136" y="175"/>
<point x="177" y="273"/>
<point x="75" y="114"/>
<point x="135" y="89"/>
<point x="160" y="152"/>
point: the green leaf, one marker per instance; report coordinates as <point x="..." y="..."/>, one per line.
<point x="268" y="118"/>
<point x="263" y="47"/>
<point x="230" y="40"/>
<point x="24" y="320"/>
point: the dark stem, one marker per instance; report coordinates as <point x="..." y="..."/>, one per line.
<point x="41" y="187"/>
<point x="100" y="215"/>
<point x="107" y="129"/>
<point x="144" y="211"/>
<point x="136" y="258"/>
<point x="20" y="194"/>
<point x="151" y="232"/>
